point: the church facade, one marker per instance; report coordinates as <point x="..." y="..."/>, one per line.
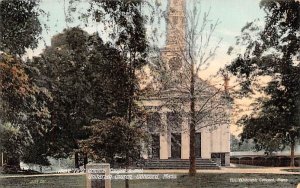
<point x="169" y="125"/>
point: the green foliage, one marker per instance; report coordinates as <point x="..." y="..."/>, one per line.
<point x="19" y="25"/>
<point x="13" y="139"/>
<point x="22" y="101"/>
<point x="264" y="133"/>
<point x="77" y="79"/>
<point x="112" y="138"/>
<point x="22" y="105"/>
<point x="128" y="22"/>
<point x="236" y="144"/>
<point x="271" y="52"/>
<point x="87" y="80"/>
<point x="15" y="88"/>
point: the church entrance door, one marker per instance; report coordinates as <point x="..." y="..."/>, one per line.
<point x="176" y="145"/>
<point x="198" y="145"/>
<point x="155" y="146"/>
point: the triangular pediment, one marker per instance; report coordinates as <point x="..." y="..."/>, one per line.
<point x="202" y="88"/>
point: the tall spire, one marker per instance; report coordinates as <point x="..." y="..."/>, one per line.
<point x="175" y="24"/>
<point x="175" y="44"/>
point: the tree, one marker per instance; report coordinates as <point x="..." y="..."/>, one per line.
<point x="19" y="25"/>
<point x="106" y="136"/>
<point x="21" y="108"/>
<point x="126" y="21"/>
<point x="13" y="137"/>
<point x="261" y="129"/>
<point x="20" y="105"/>
<point x="192" y="50"/>
<point x="15" y="92"/>
<point x="127" y="30"/>
<point x="271" y="54"/>
<point x="237" y="145"/>
<point x="87" y="80"/>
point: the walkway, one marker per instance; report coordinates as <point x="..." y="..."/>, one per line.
<point x="263" y="170"/>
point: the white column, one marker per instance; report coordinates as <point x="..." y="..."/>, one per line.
<point x="205" y="143"/>
<point x="218" y="146"/>
<point x="164" y="154"/>
<point x="225" y="138"/>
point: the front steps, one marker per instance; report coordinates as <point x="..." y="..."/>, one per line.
<point x="179" y="164"/>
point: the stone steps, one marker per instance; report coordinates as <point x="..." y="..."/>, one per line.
<point x="179" y="164"/>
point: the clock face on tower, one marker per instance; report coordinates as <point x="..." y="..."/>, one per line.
<point x="175" y="63"/>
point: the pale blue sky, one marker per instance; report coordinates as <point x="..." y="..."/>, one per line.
<point x="233" y="14"/>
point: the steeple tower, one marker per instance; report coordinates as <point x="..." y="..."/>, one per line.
<point x="175" y="34"/>
<point x="176" y="23"/>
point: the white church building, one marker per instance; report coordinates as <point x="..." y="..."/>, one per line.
<point x="168" y="119"/>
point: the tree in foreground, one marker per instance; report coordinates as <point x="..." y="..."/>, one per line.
<point x="20" y="27"/>
<point x="271" y="56"/>
<point x="87" y="80"/>
<point x="125" y="25"/>
<point x="21" y="109"/>
<point x="190" y="39"/>
<point x="113" y="139"/>
<point x="21" y="105"/>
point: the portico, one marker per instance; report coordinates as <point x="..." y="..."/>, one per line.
<point x="170" y="137"/>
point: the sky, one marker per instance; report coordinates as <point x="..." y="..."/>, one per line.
<point x="232" y="14"/>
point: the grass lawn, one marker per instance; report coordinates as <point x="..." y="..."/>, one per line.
<point x="182" y="181"/>
<point x="64" y="181"/>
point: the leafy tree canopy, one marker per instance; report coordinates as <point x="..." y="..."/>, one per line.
<point x="104" y="143"/>
<point x="87" y="80"/>
<point x="19" y="25"/>
<point x="271" y="54"/>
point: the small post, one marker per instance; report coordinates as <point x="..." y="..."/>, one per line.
<point x="98" y="175"/>
<point x="2" y="159"/>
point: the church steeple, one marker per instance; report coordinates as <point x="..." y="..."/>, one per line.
<point x="175" y="24"/>
<point x="171" y="54"/>
<point x="175" y="42"/>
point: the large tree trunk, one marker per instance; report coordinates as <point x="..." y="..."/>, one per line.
<point x="76" y="160"/>
<point x="192" y="169"/>
<point x="127" y="166"/>
<point x="130" y="108"/>
<point x="292" y="154"/>
<point x="85" y="160"/>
